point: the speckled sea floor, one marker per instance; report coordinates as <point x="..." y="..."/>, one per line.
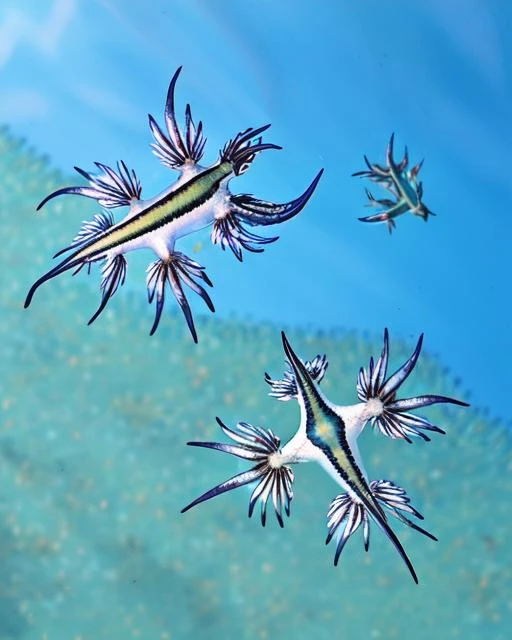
<point x="94" y="471"/>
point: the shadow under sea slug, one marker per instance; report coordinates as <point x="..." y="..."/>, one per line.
<point x="199" y="198"/>
<point x="401" y="182"/>
<point x="328" y="434"/>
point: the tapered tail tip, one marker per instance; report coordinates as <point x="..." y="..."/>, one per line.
<point x="29" y="297"/>
<point x="312" y="186"/>
<point x="262" y="129"/>
<point x="176" y="74"/>
<point x="289" y="352"/>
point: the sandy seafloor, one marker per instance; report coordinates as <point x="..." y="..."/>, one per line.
<point x="94" y="471"/>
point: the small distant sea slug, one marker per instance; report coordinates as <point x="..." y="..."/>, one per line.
<point x="401" y="182"/>
<point x="199" y="198"/>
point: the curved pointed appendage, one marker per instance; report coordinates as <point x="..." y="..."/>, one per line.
<point x="228" y="230"/>
<point x="263" y="213"/>
<point x="113" y="276"/>
<point x="177" y="149"/>
<point x="401" y="167"/>
<point x="389" y="154"/>
<point x="405" y="160"/>
<point x="243" y="148"/>
<point x="286" y="388"/>
<point x="395" y="168"/>
<point x="396" y="500"/>
<point x="275" y="481"/>
<point x="110" y="188"/>
<point x="89" y="232"/>
<point x="176" y="271"/>
<point x="392" y="417"/>
<point x="304" y="382"/>
<point x="64" y="266"/>
<point x="345" y="510"/>
<point x="381" y="217"/>
<point x="413" y="171"/>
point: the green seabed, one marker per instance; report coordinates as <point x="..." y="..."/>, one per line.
<point x="94" y="471"/>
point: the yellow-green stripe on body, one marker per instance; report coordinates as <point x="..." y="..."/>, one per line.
<point x="326" y="430"/>
<point x="171" y="207"/>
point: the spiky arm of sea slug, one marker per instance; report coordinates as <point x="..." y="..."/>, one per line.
<point x="286" y="388"/>
<point x="173" y="273"/>
<point x="273" y="480"/>
<point x="391" y="416"/>
<point x="177" y="149"/>
<point x="109" y="187"/>
<point x="345" y="510"/>
<point x="244" y="209"/>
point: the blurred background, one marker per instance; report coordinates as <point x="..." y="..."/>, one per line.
<point x="84" y="407"/>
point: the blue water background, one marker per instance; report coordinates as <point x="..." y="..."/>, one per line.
<point x="93" y="467"/>
<point x="334" y="79"/>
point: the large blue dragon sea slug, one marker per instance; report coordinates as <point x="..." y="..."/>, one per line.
<point x="199" y="198"/>
<point x="328" y="434"/>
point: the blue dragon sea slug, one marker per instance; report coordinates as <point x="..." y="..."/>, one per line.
<point x="401" y="182"/>
<point x="328" y="434"/>
<point x="199" y="198"/>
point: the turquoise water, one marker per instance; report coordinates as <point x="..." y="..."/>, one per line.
<point x="93" y="463"/>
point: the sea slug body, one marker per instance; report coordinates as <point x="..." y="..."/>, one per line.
<point x="199" y="198"/>
<point x="328" y="434"/>
<point x="403" y="185"/>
